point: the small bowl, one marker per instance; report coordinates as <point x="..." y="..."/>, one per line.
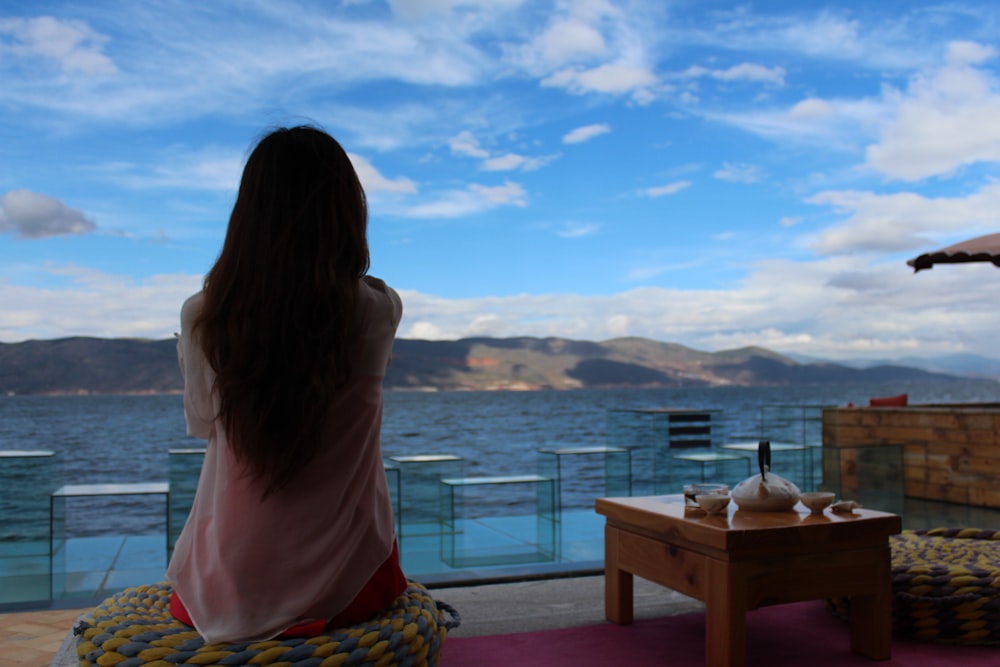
<point x="817" y="501"/>
<point x="713" y="503"/>
<point x="692" y="491"/>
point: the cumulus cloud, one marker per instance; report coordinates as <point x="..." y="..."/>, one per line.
<point x="811" y="109"/>
<point x="831" y="35"/>
<point x="420" y="10"/>
<point x="513" y="161"/>
<point x="508" y="193"/>
<point x="72" y="45"/>
<point x="901" y="221"/>
<point x="574" y="231"/>
<point x="945" y="119"/>
<point x="613" y="79"/>
<point x="211" y="169"/>
<point x="585" y="133"/>
<point x="824" y="306"/>
<point x="840" y="124"/>
<point x="317" y="49"/>
<point x="373" y="181"/>
<point x="465" y="144"/>
<point x="580" y="35"/>
<point x="564" y="41"/>
<point x="668" y="189"/>
<point x="32" y="215"/>
<point x="834" y="307"/>
<point x="739" y="173"/>
<point x="968" y="53"/>
<point x="88" y="302"/>
<point x="475" y="198"/>
<point x="742" y="72"/>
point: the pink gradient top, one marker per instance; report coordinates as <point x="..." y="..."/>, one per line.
<point x="247" y="569"/>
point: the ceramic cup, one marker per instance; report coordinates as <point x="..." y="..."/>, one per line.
<point x="691" y="492"/>
<point x="713" y="503"/>
<point x="816" y="501"/>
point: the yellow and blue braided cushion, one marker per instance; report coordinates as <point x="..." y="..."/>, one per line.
<point x="945" y="584"/>
<point x="134" y="628"/>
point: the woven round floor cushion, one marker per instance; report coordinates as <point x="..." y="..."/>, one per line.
<point x="135" y="628"/>
<point x="945" y="584"/>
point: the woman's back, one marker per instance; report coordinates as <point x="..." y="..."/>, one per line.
<point x="292" y="518"/>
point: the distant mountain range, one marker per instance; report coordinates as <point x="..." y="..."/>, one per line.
<point x="105" y="366"/>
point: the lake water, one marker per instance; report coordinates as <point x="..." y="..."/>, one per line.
<point x="102" y="439"/>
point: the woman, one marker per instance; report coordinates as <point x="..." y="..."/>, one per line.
<point x="283" y="354"/>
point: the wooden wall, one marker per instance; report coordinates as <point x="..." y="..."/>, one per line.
<point x="950" y="452"/>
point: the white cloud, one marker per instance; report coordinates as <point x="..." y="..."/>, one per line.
<point x="901" y="221"/>
<point x="568" y="41"/>
<point x="585" y="133"/>
<point x="512" y="161"/>
<point x="373" y="181"/>
<point x="436" y="10"/>
<point x="739" y="173"/>
<point x="211" y="168"/>
<point x="578" y="230"/>
<point x="72" y="45"/>
<point x="839" y="124"/>
<point x="608" y="79"/>
<point x="668" y="189"/>
<point x="93" y="303"/>
<point x="474" y="199"/>
<point x="32" y="215"/>
<point x="811" y="109"/>
<point x="179" y="65"/>
<point x="508" y="193"/>
<point x="893" y="42"/>
<point x="464" y="143"/>
<point x="741" y="72"/>
<point x="507" y="162"/>
<point x="835" y="307"/>
<point x="968" y="53"/>
<point x="789" y="221"/>
<point x="946" y="119"/>
<point x="583" y="35"/>
<point x="594" y="47"/>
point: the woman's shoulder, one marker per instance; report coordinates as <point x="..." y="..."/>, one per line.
<point x="385" y="299"/>
<point x="192" y="306"/>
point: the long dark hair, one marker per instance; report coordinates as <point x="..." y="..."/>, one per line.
<point x="280" y="303"/>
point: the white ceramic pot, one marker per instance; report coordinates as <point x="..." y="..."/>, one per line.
<point x="776" y="494"/>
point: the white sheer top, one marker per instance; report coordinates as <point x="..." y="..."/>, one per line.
<point x="247" y="569"/>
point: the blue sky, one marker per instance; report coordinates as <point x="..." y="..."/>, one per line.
<point x="715" y="174"/>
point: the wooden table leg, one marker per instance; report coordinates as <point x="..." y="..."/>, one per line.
<point x="871" y="615"/>
<point x="725" y="615"/>
<point x="618" y="606"/>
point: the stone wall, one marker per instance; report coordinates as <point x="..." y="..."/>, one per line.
<point x="950" y="452"/>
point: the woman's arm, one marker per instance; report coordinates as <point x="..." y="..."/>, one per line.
<point x="199" y="414"/>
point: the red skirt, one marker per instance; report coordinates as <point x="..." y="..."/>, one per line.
<point x="382" y="588"/>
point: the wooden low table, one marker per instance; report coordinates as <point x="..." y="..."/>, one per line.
<point x="742" y="560"/>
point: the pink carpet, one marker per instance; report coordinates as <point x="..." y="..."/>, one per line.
<point x="793" y="634"/>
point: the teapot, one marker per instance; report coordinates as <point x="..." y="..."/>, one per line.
<point x="765" y="492"/>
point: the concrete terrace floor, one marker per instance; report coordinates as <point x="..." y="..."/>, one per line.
<point x="32" y="638"/>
